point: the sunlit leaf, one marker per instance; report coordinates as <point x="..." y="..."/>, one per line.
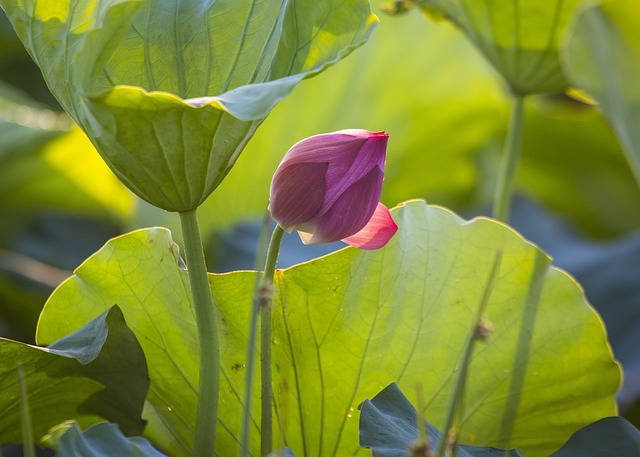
<point x="170" y="92"/>
<point x="347" y="324"/>
<point x="356" y="321"/>
<point x="140" y="271"/>
<point x="98" y="372"/>
<point x="602" y="56"/>
<point x="520" y="38"/>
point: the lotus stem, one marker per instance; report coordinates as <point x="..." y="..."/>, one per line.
<point x="266" y="302"/>
<point x="509" y="162"/>
<point x="209" y="385"/>
<point x="252" y="340"/>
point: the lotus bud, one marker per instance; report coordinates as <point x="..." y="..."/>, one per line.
<point x="328" y="188"/>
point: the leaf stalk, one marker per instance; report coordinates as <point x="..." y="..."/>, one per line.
<point x="262" y="303"/>
<point x="209" y="384"/>
<point x="266" y="303"/>
<point x="509" y="162"/>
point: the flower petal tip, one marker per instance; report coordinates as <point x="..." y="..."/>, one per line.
<point x="377" y="233"/>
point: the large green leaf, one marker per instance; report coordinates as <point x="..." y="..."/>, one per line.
<point x="98" y="372"/>
<point x="602" y="56"/>
<point x="170" y="92"/>
<point x="520" y="38"/>
<point x="359" y="320"/>
<point x="347" y="324"/>
<point x="141" y="272"/>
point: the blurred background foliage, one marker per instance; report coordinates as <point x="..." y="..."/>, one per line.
<point x="445" y="110"/>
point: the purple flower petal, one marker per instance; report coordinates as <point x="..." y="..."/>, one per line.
<point x="371" y="153"/>
<point x="328" y="147"/>
<point x="297" y="194"/>
<point x="351" y="211"/>
<point x="377" y="233"/>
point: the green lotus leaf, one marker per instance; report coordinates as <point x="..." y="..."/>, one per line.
<point x="356" y="321"/>
<point x="96" y="373"/>
<point x="521" y="39"/>
<point x="602" y="56"/>
<point x="194" y="78"/>
<point x="352" y="322"/>
<point x="141" y="272"/>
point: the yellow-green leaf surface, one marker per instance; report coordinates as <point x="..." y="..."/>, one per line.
<point x="170" y="92"/>
<point x="141" y="273"/>
<point x="47" y="165"/>
<point x="602" y="56"/>
<point x="348" y="324"/>
<point x="64" y="174"/>
<point x="97" y="373"/>
<point x="520" y="38"/>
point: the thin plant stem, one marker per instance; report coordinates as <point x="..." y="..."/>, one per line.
<point x="457" y="393"/>
<point x="209" y="385"/>
<point x="27" y="435"/>
<point x="252" y="340"/>
<point x="266" y="302"/>
<point x="509" y="162"/>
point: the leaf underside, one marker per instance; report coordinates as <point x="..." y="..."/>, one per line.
<point x="170" y="92"/>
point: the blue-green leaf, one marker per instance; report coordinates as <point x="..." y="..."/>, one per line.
<point x="389" y="427"/>
<point x="98" y="372"/>
<point x="608" y="437"/>
<point x="101" y="440"/>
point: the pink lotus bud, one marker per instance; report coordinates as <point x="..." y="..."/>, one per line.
<point x="328" y="188"/>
